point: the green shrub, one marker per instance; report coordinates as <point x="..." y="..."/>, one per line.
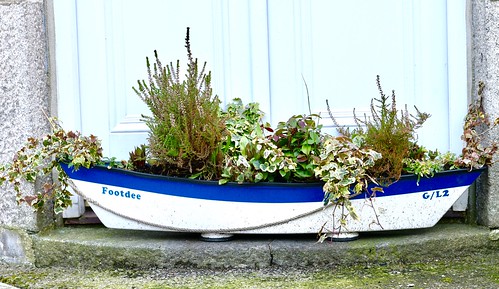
<point x="250" y="156"/>
<point x="389" y="132"/>
<point x="186" y="125"/>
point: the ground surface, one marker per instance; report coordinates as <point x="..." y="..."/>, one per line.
<point x="481" y="271"/>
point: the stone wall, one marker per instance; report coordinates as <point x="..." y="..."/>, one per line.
<point x="484" y="28"/>
<point x="24" y="97"/>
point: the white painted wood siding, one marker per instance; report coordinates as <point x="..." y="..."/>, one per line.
<point x="259" y="50"/>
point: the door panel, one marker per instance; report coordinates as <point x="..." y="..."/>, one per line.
<point x="263" y="51"/>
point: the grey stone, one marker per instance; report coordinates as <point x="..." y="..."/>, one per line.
<point x="15" y="246"/>
<point x="485" y="67"/>
<point x="494" y="235"/>
<point x="103" y="248"/>
<point x="5" y="286"/>
<point x="24" y="99"/>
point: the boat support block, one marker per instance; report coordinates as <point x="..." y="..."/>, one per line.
<point x="343" y="236"/>
<point x="216" y="237"/>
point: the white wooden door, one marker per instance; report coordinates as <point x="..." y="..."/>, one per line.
<point x="261" y="50"/>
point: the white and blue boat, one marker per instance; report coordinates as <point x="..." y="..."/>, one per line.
<point x="130" y="200"/>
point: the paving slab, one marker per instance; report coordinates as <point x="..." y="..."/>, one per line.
<point x="102" y="248"/>
<point x="6" y="286"/>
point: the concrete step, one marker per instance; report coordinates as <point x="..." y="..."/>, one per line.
<point x="99" y="247"/>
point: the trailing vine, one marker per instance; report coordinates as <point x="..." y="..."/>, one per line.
<point x="38" y="159"/>
<point x="343" y="166"/>
<point x="476" y="152"/>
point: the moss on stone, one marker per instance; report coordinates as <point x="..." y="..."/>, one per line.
<point x="480" y="271"/>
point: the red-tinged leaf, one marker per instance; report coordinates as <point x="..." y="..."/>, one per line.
<point x="30" y="200"/>
<point x="301" y="158"/>
<point x="269" y="129"/>
<point x="47" y="187"/>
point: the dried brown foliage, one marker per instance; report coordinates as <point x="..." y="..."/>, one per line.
<point x="476" y="152"/>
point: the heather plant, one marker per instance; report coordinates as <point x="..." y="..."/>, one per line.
<point x="186" y="127"/>
<point x="389" y="132"/>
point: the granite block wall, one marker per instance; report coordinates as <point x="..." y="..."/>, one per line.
<point x="484" y="48"/>
<point x="24" y="96"/>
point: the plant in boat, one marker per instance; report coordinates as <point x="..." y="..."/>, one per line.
<point x="285" y="155"/>
<point x="477" y="152"/>
<point x="186" y="125"/>
<point x="250" y="156"/>
<point x="38" y="158"/>
<point x="344" y="166"/>
<point x="388" y="131"/>
<point x="192" y="137"/>
<point x="300" y="138"/>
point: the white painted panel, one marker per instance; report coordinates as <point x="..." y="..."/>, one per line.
<point x="258" y="50"/>
<point x="241" y="51"/>
<point x="457" y="76"/>
<point x="431" y="82"/>
<point x="353" y="42"/>
<point x="92" y="64"/>
<point x="286" y="59"/>
<point x="68" y="88"/>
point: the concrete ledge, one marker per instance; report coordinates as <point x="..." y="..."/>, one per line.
<point x="98" y="247"/>
<point x="15" y="246"/>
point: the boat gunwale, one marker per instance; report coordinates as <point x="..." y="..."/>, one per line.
<point x="292" y="184"/>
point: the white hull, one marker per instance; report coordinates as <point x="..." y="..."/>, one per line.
<point x="123" y="207"/>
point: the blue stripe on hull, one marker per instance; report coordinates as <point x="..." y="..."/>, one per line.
<point x="256" y="192"/>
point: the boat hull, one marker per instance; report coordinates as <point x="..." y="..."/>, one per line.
<point x="129" y="200"/>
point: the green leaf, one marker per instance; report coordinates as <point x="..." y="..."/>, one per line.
<point x="306" y="148"/>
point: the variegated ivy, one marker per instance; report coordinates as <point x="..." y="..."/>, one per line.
<point x="38" y="159"/>
<point x="343" y="166"/>
<point x="249" y="155"/>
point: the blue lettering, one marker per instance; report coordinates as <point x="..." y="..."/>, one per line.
<point x="121" y="193"/>
<point x="435" y="194"/>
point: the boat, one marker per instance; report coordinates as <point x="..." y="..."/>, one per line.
<point x="124" y="199"/>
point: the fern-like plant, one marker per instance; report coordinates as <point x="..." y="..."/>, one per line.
<point x="186" y="125"/>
